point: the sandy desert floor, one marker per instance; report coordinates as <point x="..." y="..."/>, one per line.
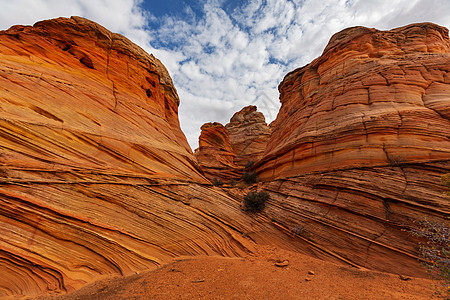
<point x="257" y="277"/>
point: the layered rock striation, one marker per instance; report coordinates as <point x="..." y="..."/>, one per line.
<point x="76" y="97"/>
<point x="215" y="154"/>
<point x="249" y="134"/>
<point x="360" y="143"/>
<point x="225" y="152"/>
<point x="372" y="98"/>
<point x="96" y="177"/>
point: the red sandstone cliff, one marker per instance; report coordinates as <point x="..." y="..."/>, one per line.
<point x="225" y="152"/>
<point x="360" y="142"/>
<point x="215" y="155"/>
<point x="248" y="134"/>
<point x="371" y="97"/>
<point x="96" y="177"/>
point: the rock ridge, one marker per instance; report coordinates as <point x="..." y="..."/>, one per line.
<point x="360" y="143"/>
<point x="215" y="154"/>
<point x="97" y="179"/>
<point x="226" y="152"/>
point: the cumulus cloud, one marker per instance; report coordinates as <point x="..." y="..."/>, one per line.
<point x="223" y="58"/>
<point x="235" y="58"/>
<point x="123" y="16"/>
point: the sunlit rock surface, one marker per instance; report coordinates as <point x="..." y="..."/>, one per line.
<point x="360" y="143"/>
<point x="96" y="177"/>
<point x="248" y="134"/>
<point x="215" y="154"/>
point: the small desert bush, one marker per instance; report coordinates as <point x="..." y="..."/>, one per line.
<point x="250" y="177"/>
<point x="255" y="201"/>
<point x="435" y="253"/>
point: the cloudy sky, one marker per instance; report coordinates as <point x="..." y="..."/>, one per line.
<point x="226" y="54"/>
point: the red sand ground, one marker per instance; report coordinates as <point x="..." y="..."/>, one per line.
<point x="257" y="277"/>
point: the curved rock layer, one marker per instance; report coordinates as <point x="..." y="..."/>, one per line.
<point x="56" y="238"/>
<point x="96" y="177"/>
<point x="76" y="98"/>
<point x="249" y="134"/>
<point x="360" y="143"/>
<point x="372" y="98"/>
<point x="215" y="155"/>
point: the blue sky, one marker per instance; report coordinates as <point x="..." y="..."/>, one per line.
<point x="177" y="8"/>
<point x="226" y="54"/>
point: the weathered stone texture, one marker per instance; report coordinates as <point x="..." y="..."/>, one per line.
<point x="96" y="177"/>
<point x="249" y="133"/>
<point x="360" y="143"/>
<point x="215" y="154"/>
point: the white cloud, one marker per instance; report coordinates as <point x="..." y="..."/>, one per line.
<point x="123" y="16"/>
<point x="248" y="53"/>
<point x="222" y="61"/>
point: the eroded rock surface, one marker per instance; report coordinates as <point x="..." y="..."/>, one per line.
<point x="225" y="153"/>
<point x="76" y="97"/>
<point x="215" y="154"/>
<point x="96" y="178"/>
<point x="360" y="143"/>
<point x="248" y="134"/>
<point x="372" y="98"/>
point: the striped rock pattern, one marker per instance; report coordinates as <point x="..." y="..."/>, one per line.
<point x="249" y="133"/>
<point x="96" y="177"/>
<point x="215" y="155"/>
<point x="360" y="143"/>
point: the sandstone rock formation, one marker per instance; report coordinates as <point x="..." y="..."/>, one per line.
<point x="215" y="155"/>
<point x="87" y="99"/>
<point x="360" y="142"/>
<point x="96" y="177"/>
<point x="371" y="98"/>
<point x="225" y="152"/>
<point x="248" y="134"/>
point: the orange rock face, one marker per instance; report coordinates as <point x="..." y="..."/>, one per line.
<point x="248" y="134"/>
<point x="96" y="177"/>
<point x="87" y="99"/>
<point x="215" y="154"/>
<point x="224" y="152"/>
<point x="371" y="98"/>
<point x="360" y="142"/>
